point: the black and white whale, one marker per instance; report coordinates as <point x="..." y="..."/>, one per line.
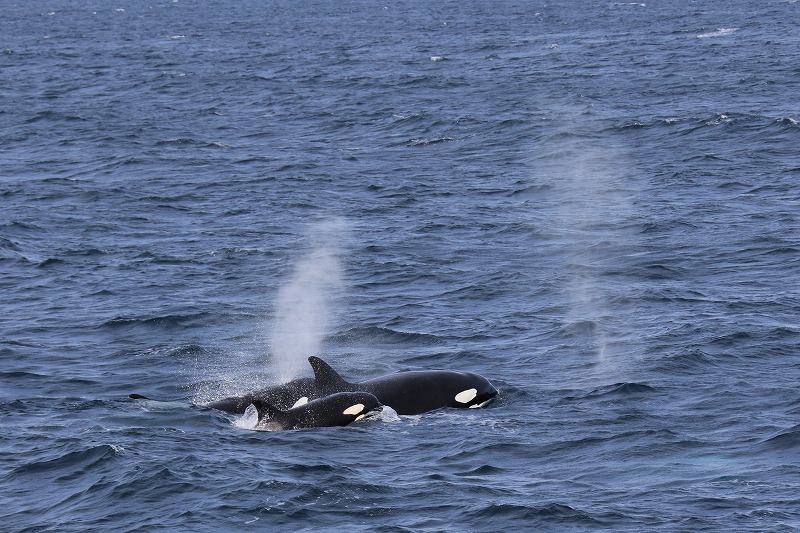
<point x="408" y="393"/>
<point x="339" y="409"/>
<point x="412" y="392"/>
<point x="283" y="396"/>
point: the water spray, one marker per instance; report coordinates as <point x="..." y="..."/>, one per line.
<point x="304" y="304"/>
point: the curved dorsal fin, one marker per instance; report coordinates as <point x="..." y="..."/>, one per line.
<point x="267" y="410"/>
<point x="328" y="380"/>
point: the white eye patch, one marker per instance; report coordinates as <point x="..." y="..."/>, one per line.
<point x="466" y="396"/>
<point x="354" y="409"/>
<point x="301" y="401"/>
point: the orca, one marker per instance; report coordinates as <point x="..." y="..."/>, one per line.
<point x="284" y="396"/>
<point x="412" y="392"/>
<point x="339" y="409"/>
<point x="408" y="393"/>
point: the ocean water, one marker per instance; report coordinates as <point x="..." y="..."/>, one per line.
<point x="595" y="205"/>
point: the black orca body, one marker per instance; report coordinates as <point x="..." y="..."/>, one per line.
<point x="411" y="393"/>
<point x="339" y="409"/>
<point x="408" y="393"/>
<point x="283" y="396"/>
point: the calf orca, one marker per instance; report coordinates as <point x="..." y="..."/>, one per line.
<point x="285" y="396"/>
<point x="339" y="409"/>
<point x="413" y="392"/>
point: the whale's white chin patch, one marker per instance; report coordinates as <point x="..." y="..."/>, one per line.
<point x="478" y="405"/>
<point x="354" y="409"/>
<point x="301" y="401"/>
<point x="466" y="396"/>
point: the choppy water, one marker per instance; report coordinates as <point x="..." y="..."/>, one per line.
<point x="594" y="204"/>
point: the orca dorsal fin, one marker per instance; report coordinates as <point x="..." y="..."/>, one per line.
<point x="267" y="410"/>
<point x="328" y="379"/>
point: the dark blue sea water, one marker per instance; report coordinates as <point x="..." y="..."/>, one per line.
<point x="596" y="205"/>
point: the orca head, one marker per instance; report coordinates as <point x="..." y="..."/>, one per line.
<point x="478" y="392"/>
<point x="343" y="408"/>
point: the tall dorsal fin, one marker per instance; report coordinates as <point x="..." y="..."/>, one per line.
<point x="328" y="380"/>
<point x="267" y="410"/>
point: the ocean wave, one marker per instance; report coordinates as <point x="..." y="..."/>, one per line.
<point x="689" y="124"/>
<point x="552" y="514"/>
<point x="7" y="245"/>
<point x="50" y="262"/>
<point x="151" y="486"/>
<point x="482" y="471"/>
<point x="659" y="271"/>
<point x="383" y="335"/>
<point x="688" y="361"/>
<point x="580" y="328"/>
<point x="622" y="389"/>
<point x="89" y="251"/>
<point x="785" y="440"/>
<point x="70" y="464"/>
<point x="788" y="123"/>
<point x="56" y="116"/>
<point x="719" y="32"/>
<point x="189" y="141"/>
<point x="428" y="141"/>
<point x="731" y="339"/>
<point x="616" y="390"/>
<point x="162" y="322"/>
<point x="18" y="374"/>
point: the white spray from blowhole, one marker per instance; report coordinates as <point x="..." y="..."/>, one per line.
<point x="594" y="190"/>
<point x="305" y="304"/>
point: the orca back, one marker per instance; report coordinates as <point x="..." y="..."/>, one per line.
<point x="284" y="396"/>
<point x="414" y="392"/>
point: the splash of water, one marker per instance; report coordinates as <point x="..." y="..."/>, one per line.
<point x="304" y="304"/>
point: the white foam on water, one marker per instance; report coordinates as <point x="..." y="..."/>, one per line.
<point x="248" y="420"/>
<point x="719" y="32"/>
